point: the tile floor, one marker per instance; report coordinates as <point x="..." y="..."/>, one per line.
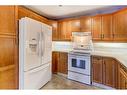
<point x="60" y="82"/>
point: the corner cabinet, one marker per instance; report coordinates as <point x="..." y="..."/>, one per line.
<point x="122" y="77"/>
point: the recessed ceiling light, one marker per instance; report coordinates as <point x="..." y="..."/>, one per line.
<point x="60" y="5"/>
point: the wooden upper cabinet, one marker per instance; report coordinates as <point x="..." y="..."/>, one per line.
<point x="85" y="24"/>
<point x="120" y="25"/>
<point x="107" y="27"/>
<point x="55" y="33"/>
<point x="110" y="72"/>
<point x="24" y="12"/>
<point x="97" y="69"/>
<point x="64" y="28"/>
<point x="7" y="20"/>
<point x="75" y="25"/>
<point x="96" y="28"/>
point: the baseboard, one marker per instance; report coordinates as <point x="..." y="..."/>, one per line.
<point x="64" y="75"/>
<point x="102" y="86"/>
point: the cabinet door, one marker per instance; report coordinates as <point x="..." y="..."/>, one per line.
<point x="96" y="28"/>
<point x="55" y="34"/>
<point x="62" y="30"/>
<point x="86" y="23"/>
<point x="7" y="20"/>
<point x="107" y="27"/>
<point x="110" y="72"/>
<point x="68" y="33"/>
<point x="63" y="63"/>
<point x="120" y="25"/>
<point x="122" y="79"/>
<point x="75" y="25"/>
<point x="8" y="73"/>
<point x="97" y="71"/>
<point x="55" y="60"/>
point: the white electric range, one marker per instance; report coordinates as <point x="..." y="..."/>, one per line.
<point x="79" y="62"/>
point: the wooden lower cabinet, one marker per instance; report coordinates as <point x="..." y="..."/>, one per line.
<point x="110" y="72"/>
<point x="97" y="73"/>
<point x="59" y="62"/>
<point x="105" y="71"/>
<point x="63" y="63"/>
<point x="122" y="78"/>
<point x="55" y="60"/>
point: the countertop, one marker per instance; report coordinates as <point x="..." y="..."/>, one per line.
<point x="120" y="56"/>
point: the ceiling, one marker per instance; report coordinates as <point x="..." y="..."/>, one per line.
<point x="64" y="11"/>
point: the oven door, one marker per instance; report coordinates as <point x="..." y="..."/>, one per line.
<point x="79" y="64"/>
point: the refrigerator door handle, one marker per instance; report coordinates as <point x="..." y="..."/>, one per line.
<point x="42" y="44"/>
<point x="39" y="41"/>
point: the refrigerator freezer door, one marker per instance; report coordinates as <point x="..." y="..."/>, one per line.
<point x="37" y="78"/>
<point x="30" y="43"/>
<point x="47" y="44"/>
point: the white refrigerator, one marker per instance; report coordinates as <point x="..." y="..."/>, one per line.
<point x="35" y="52"/>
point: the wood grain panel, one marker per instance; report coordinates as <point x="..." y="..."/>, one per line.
<point x="107" y="28"/>
<point x="7" y="77"/>
<point x="7" y="50"/>
<point x="7" y="20"/>
<point x="120" y="26"/>
<point x="122" y="77"/>
<point x="55" y="33"/>
<point x="63" y="63"/>
<point x="97" y="69"/>
<point x="86" y="23"/>
<point x="55" y="60"/>
<point x="24" y="12"/>
<point x="96" y="28"/>
<point x="110" y="72"/>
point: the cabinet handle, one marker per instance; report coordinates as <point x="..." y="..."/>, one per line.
<point x="103" y="36"/>
<point x="113" y="35"/>
<point x="125" y="83"/>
